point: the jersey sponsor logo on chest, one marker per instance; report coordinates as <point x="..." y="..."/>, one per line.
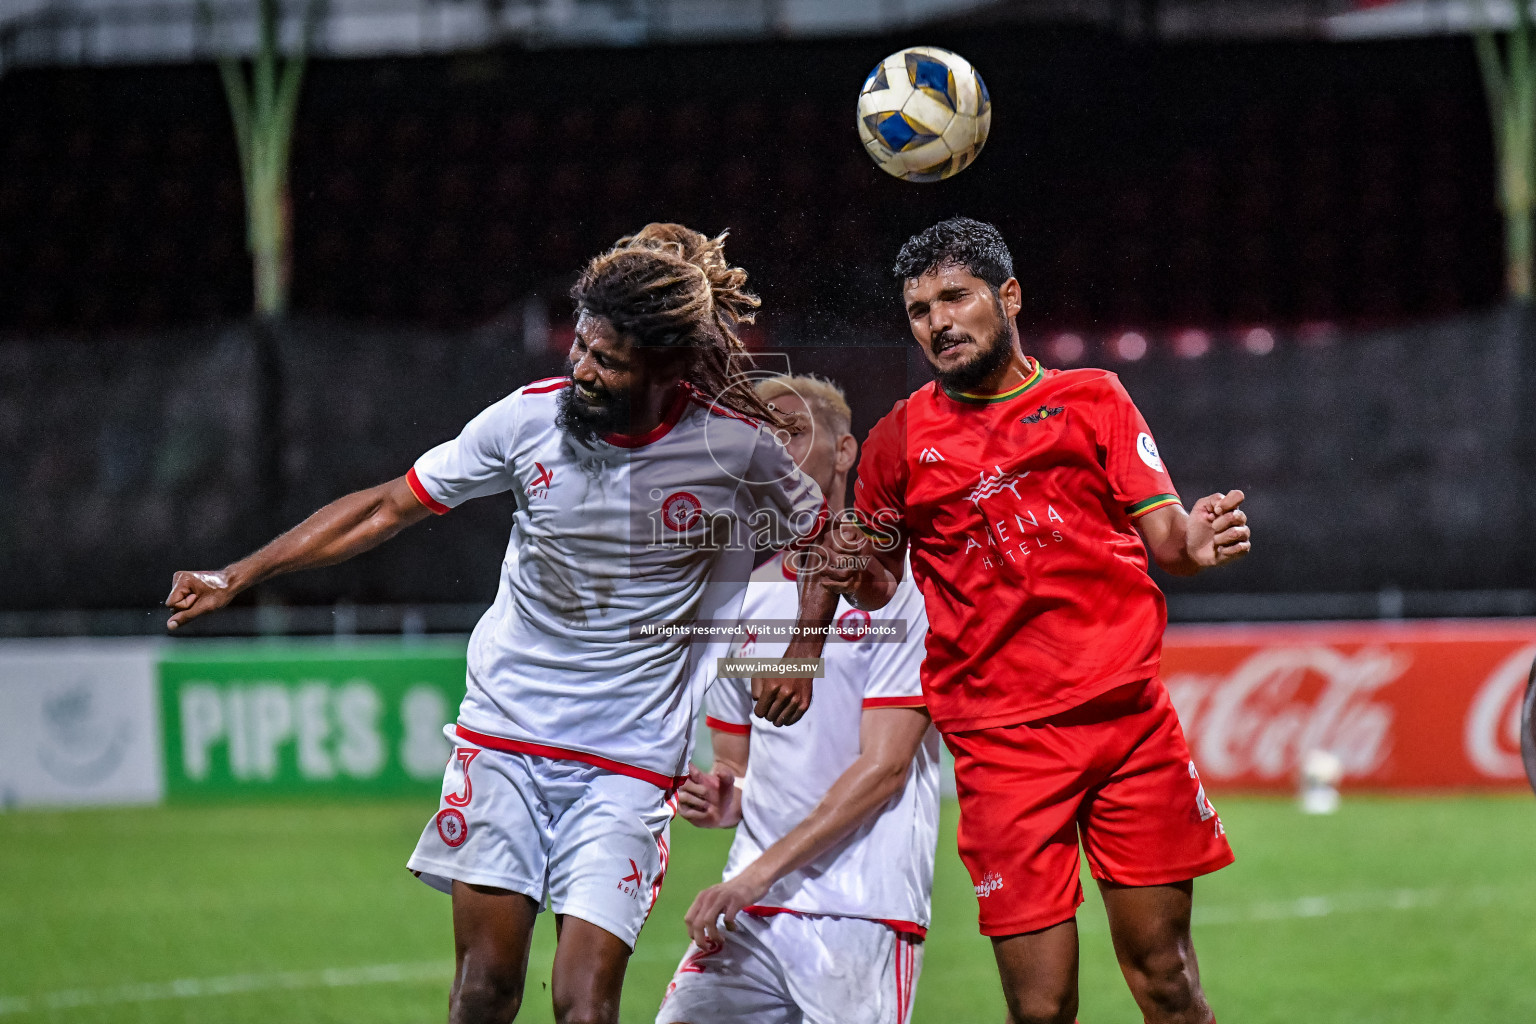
<point x="1008" y="536"/>
<point x="992" y="485"/>
<point x="1025" y="521"/>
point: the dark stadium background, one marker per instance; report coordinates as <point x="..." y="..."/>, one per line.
<point x="1277" y="220"/>
<point x="1337" y="197"/>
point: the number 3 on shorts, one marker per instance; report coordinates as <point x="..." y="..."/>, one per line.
<point x="465" y="755"/>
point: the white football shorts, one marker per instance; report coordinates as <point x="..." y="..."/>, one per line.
<point x="798" y="969"/>
<point x="580" y="839"/>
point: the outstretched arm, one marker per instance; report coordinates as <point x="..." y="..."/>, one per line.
<point x="1211" y="534"/>
<point x="888" y="739"/>
<point x="346" y="527"/>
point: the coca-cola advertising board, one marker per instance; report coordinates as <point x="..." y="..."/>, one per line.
<point x="1402" y="705"/>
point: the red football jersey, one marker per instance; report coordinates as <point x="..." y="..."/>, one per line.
<point x="1018" y="509"/>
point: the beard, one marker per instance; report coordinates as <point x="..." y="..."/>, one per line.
<point x="587" y="423"/>
<point x="992" y="358"/>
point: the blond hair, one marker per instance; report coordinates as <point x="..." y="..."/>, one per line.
<point x="669" y="286"/>
<point x="828" y="404"/>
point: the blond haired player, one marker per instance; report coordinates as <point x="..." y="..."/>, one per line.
<point x="636" y="480"/>
<point x="825" y="901"/>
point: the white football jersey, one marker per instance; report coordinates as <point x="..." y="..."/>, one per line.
<point x="633" y="530"/>
<point x="884" y="869"/>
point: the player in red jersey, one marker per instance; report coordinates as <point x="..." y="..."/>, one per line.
<point x="1030" y="500"/>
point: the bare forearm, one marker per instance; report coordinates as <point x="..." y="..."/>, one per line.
<point x="782" y="700"/>
<point x="818" y="605"/>
<point x="1177" y="562"/>
<point x="732" y="751"/>
<point x="1166" y="535"/>
<point x="860" y="791"/>
<point x="877" y="586"/>
<point x="345" y="527"/>
<point x="341" y="530"/>
<point x="889" y="738"/>
<point x="865" y="572"/>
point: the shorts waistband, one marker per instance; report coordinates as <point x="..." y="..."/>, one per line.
<point x="510" y="746"/>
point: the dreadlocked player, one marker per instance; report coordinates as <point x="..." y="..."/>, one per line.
<point x="637" y="479"/>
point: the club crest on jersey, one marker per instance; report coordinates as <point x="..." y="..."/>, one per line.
<point x="451" y="827"/>
<point x="538" y="487"/>
<point x="853" y="624"/>
<point x="991" y="485"/>
<point x="680" y="511"/>
<point x="1045" y="412"/>
<point x="1147" y="449"/>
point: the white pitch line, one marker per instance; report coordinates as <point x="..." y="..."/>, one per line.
<point x="441" y="970"/>
<point x="1305" y="907"/>
<point x="193" y="988"/>
<point x="1344" y="903"/>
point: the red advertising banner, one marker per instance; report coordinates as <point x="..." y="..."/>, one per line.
<point x="1402" y="705"/>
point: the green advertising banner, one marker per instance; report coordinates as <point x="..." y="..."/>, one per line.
<point x="324" y="719"/>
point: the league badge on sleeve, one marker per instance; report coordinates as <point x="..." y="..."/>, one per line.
<point x="1147" y="449"/>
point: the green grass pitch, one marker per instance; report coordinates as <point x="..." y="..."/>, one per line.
<point x="1394" y="910"/>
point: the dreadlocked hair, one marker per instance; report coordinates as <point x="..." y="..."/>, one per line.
<point x="668" y="286"/>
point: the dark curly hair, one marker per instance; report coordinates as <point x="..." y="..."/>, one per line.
<point x="668" y="286"/>
<point x="956" y="242"/>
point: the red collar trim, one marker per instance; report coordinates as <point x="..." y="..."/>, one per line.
<point x="656" y="433"/>
<point x="786" y="568"/>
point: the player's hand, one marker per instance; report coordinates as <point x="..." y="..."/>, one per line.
<point x="1217" y="531"/>
<point x="197" y="593"/>
<point x="781" y="701"/>
<point x="721" y="903"/>
<point x="710" y="799"/>
<point x="838" y="563"/>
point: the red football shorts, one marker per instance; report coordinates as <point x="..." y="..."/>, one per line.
<point x="1116" y="772"/>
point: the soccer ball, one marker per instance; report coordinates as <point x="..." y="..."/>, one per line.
<point x="924" y="114"/>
